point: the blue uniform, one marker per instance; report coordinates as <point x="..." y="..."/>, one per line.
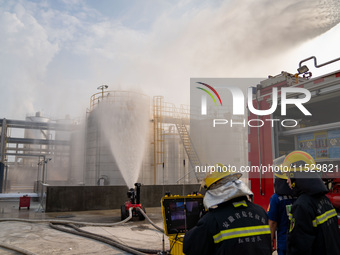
<point x="277" y="212"/>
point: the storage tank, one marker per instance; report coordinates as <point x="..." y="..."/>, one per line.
<point x="176" y="163"/>
<point x="59" y="167"/>
<point x="77" y="153"/>
<point x="146" y="175"/>
<point x="39" y="134"/>
<point x="111" y="151"/>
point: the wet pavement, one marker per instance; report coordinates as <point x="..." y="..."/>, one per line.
<point x="40" y="238"/>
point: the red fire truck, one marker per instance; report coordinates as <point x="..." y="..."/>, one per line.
<point x="278" y="134"/>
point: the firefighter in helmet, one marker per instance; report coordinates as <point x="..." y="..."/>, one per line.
<point x="233" y="224"/>
<point x="313" y="220"/>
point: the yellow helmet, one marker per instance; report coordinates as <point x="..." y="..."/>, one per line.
<point x="296" y="161"/>
<point x="277" y="165"/>
<point x="221" y="174"/>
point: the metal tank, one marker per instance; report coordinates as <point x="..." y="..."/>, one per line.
<point x="176" y="163"/>
<point x="59" y="166"/>
<point x="101" y="166"/>
<point x="36" y="134"/>
<point x="77" y="153"/>
<point x="146" y="175"/>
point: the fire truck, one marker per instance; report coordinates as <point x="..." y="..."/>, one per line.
<point x="278" y="134"/>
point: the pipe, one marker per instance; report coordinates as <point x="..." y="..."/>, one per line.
<point x="6" y="173"/>
<point x="137" y="193"/>
<point x="315" y="64"/>
<point x="3" y="140"/>
<point x="36" y="125"/>
<point x="259" y="147"/>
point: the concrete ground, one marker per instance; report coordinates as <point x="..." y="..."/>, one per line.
<point x="40" y="238"/>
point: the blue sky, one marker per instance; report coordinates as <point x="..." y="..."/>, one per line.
<point x="54" y="54"/>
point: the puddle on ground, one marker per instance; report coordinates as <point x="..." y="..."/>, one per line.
<point x="141" y="228"/>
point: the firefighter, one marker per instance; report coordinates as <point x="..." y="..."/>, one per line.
<point x="277" y="214"/>
<point x="313" y="220"/>
<point x="233" y="224"/>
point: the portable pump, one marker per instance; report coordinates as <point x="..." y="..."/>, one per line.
<point x="134" y="202"/>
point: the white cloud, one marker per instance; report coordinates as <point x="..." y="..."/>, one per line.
<point x="25" y="52"/>
<point x="54" y="55"/>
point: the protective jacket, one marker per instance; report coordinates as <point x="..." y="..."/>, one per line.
<point x="235" y="227"/>
<point x="313" y="221"/>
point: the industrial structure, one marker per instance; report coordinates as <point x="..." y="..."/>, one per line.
<point x="26" y="159"/>
<point x="40" y="150"/>
<point x="169" y="157"/>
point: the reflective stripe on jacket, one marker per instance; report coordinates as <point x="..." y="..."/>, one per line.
<point x="313" y="227"/>
<point x="235" y="227"/>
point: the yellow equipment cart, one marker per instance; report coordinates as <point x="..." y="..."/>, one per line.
<point x="180" y="214"/>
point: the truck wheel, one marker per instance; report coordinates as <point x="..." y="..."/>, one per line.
<point x="123" y="214"/>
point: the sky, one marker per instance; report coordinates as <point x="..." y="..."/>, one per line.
<point x="55" y="53"/>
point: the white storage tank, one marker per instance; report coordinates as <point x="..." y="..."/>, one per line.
<point x="37" y="134"/>
<point x="116" y="139"/>
<point x="176" y="163"/>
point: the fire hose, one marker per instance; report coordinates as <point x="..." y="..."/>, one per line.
<point x="77" y="231"/>
<point x="71" y="222"/>
<point x="107" y="240"/>
<point x="16" y="249"/>
<point x="150" y="221"/>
